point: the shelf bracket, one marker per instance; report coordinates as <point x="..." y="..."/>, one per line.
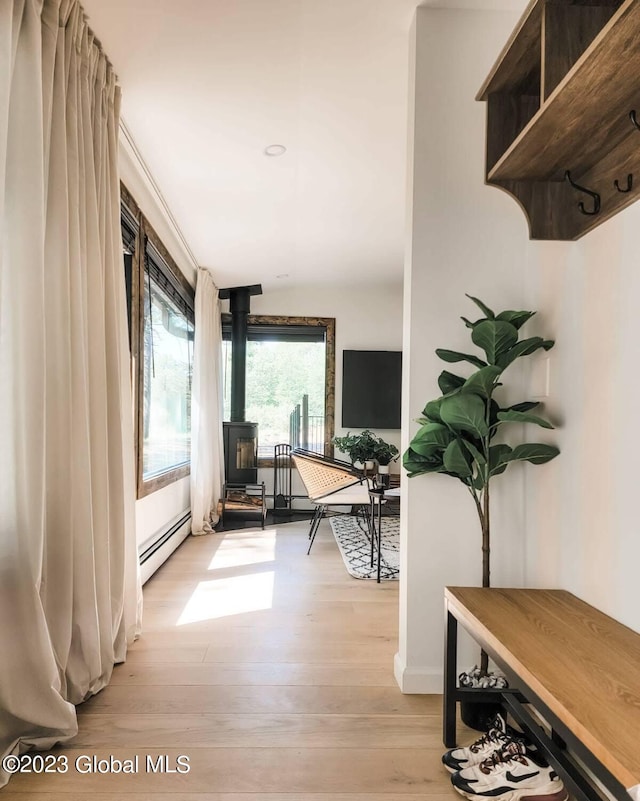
<point x="594" y="195"/>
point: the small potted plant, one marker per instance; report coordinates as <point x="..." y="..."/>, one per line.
<point x="385" y="454"/>
<point x="359" y="447"/>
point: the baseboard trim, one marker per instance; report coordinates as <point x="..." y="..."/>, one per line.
<point x="158" y="543"/>
<point x="156" y="550"/>
<point x="417" y="681"/>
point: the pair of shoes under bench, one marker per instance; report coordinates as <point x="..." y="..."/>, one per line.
<point x="498" y="735"/>
<point x="510" y="774"/>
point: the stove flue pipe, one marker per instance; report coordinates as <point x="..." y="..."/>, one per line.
<point x="239" y="306"/>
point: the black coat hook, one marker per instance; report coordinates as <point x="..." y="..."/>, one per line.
<point x="594" y="195"/>
<point x="629" y="185"/>
<point x="634" y="119"/>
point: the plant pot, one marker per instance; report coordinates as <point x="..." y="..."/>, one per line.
<point x="383" y="475"/>
<point x="479" y="715"/>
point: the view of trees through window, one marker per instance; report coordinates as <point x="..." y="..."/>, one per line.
<point x="279" y="373"/>
<point x="168" y="356"/>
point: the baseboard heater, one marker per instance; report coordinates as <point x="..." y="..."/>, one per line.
<point x="148" y="552"/>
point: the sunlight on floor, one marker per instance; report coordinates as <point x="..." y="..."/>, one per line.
<point x="236" y="551"/>
<point x="228" y="596"/>
<point x="235" y="595"/>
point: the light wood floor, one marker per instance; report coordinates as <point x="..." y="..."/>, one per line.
<point x="273" y="672"/>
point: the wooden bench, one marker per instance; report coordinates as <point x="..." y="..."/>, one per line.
<point x="577" y="667"/>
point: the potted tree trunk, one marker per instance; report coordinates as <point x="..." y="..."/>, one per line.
<point x="462" y="431"/>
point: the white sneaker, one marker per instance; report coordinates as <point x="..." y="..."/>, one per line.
<point x="497" y="737"/>
<point x="511" y="774"/>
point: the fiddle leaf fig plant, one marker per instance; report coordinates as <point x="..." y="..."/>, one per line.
<point x="459" y="429"/>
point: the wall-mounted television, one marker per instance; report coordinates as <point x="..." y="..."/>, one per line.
<point x="371" y="386"/>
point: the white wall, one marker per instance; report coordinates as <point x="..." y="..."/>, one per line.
<point x="582" y="529"/>
<point x="463" y="238"/>
<point x="572" y="523"/>
<point x="159" y="511"/>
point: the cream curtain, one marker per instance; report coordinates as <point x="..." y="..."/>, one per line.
<point x="207" y="465"/>
<point x="69" y="585"/>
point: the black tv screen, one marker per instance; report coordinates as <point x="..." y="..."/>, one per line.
<point x="371" y="384"/>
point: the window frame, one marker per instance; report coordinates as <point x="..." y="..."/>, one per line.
<point x="329" y="324"/>
<point x="136" y="291"/>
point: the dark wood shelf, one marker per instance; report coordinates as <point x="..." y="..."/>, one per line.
<point x="585" y="57"/>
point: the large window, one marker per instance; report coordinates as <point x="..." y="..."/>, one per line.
<point x="167" y="364"/>
<point x="290" y="382"/>
<point x="161" y="329"/>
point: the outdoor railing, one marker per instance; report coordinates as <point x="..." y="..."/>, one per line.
<point x="305" y="430"/>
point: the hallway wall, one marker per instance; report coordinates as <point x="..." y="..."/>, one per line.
<point x="463" y="237"/>
<point x="571" y="523"/>
<point x="582" y="511"/>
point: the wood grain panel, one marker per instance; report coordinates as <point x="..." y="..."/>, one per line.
<point x="583" y="664"/>
<point x="263" y="674"/>
<point x="591" y="117"/>
<point x="259" y="700"/>
<point x="146" y="796"/>
<point x="520" y="56"/>
<point x="567" y="31"/>
<point x="259" y="731"/>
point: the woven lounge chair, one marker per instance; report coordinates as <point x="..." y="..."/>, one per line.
<point x="330" y="482"/>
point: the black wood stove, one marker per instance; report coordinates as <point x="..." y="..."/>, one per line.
<point x="240" y="437"/>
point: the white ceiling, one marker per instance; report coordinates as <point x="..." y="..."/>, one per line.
<point x="208" y="84"/>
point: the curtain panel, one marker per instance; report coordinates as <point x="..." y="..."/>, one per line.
<point x="207" y="458"/>
<point x="69" y="586"/>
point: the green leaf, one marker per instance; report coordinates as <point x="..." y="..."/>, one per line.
<point x="493" y="417"/>
<point x="456" y="460"/>
<point x="483" y="382"/>
<point x="511" y="416"/>
<point x="534" y="452"/>
<point x="434" y="435"/>
<point x="516" y="318"/>
<point x="524" y="348"/>
<point x="485" y="309"/>
<point x="448" y="382"/>
<point x="498" y="462"/>
<point x="526" y="406"/>
<point x="465" y="413"/>
<point x="432" y="410"/>
<point x="453" y="356"/>
<point x="495" y="338"/>
<point x="473" y="450"/>
<point x="415" y="465"/>
<point x="471" y="325"/>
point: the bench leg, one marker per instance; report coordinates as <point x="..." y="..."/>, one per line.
<point x="450" y="670"/>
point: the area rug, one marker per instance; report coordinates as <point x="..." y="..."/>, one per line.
<point x="354" y="543"/>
